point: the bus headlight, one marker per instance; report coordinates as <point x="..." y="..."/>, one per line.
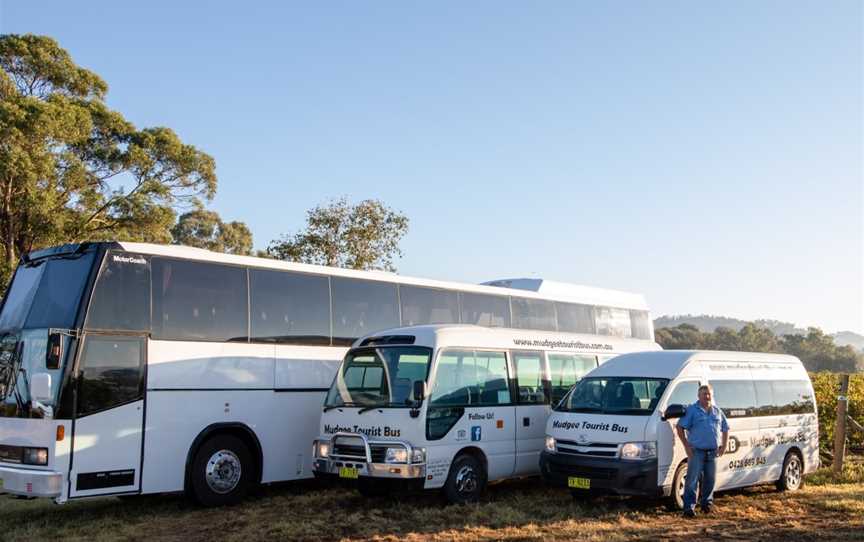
<point x="396" y="455"/>
<point x="639" y="450"/>
<point x="550" y="443"/>
<point x="322" y="449"/>
<point x="35" y="456"/>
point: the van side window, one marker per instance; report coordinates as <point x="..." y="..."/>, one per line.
<point x="529" y="377"/>
<point x="471" y="378"/>
<point x="765" y="404"/>
<point x="792" y="397"/>
<point x="737" y="398"/>
<point x="685" y="393"/>
<point x="565" y="370"/>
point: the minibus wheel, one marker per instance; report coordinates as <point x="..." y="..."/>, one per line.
<point x="792" y="475"/>
<point x="222" y="471"/>
<point x="676" y="499"/>
<point x="466" y="481"/>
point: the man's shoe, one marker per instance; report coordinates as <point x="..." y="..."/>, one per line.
<point x="708" y="508"/>
<point x="689" y="513"/>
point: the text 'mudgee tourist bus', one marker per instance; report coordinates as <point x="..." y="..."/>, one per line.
<point x="132" y="368"/>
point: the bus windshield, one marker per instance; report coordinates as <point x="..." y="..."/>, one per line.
<point x="385" y="376"/>
<point x="615" y="395"/>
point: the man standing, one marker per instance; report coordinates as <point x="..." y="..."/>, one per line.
<point x="707" y="433"/>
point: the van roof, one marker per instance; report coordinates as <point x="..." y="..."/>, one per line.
<point x="670" y="363"/>
<point x="468" y="335"/>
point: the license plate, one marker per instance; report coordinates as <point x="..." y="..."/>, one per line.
<point x="348" y="472"/>
<point x="579" y="483"/>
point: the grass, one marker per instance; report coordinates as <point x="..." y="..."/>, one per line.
<point x="519" y="510"/>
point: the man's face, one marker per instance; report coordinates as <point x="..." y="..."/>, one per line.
<point x="705" y="396"/>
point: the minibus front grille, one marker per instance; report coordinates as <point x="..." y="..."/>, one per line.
<point x="594" y="473"/>
<point x="347" y="450"/>
<point x="595" y="449"/>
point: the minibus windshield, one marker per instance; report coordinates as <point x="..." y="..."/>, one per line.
<point x="372" y="377"/>
<point x="616" y="395"/>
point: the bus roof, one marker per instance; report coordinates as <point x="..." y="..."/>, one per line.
<point x="670" y="363"/>
<point x="471" y="336"/>
<point x="561" y="292"/>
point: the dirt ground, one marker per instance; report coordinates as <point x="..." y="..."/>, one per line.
<point x="521" y="510"/>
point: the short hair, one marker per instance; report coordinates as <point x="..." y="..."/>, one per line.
<point x="705" y="387"/>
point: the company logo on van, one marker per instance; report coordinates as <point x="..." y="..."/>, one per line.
<point x="569" y="426"/>
<point x="138" y="260"/>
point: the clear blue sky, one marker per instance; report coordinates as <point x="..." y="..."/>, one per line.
<point x="708" y="155"/>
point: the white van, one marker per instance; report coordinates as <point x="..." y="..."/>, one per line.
<point x="450" y="406"/>
<point x="615" y="430"/>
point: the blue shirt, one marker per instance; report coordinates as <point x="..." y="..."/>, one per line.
<point x="704" y="429"/>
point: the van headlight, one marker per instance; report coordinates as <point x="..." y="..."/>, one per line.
<point x="550" y="443"/>
<point x="639" y="450"/>
<point x="35" y="456"/>
<point x="396" y="455"/>
<point x="322" y="449"/>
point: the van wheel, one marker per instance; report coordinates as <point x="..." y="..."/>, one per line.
<point x="676" y="499"/>
<point x="222" y="471"/>
<point x="371" y="488"/>
<point x="792" y="476"/>
<point x="466" y="480"/>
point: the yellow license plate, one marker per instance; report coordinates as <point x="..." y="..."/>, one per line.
<point x="348" y="472"/>
<point x="579" y="483"/>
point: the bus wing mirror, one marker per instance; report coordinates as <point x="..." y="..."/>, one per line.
<point x="40" y="387"/>
<point x="54" y="355"/>
<point x="419" y="391"/>
<point x="674" y="411"/>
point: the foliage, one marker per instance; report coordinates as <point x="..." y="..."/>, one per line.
<point x="205" y="229"/>
<point x="365" y="235"/>
<point x="815" y="349"/>
<point x="827" y="388"/>
<point x="72" y="169"/>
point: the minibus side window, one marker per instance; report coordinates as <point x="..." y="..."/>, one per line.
<point x="529" y="377"/>
<point x="685" y="393"/>
<point x="737" y="398"/>
<point x="565" y="370"/>
<point x="792" y="397"/>
<point x="469" y="378"/>
<point x="765" y="404"/>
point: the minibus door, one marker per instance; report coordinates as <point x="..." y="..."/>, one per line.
<point x="532" y="409"/>
<point x="109" y="416"/>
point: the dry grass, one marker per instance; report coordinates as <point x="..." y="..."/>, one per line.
<point x="522" y="510"/>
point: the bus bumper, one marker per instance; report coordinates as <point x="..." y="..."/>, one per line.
<point x="605" y="475"/>
<point x="353" y="456"/>
<point x="30" y="482"/>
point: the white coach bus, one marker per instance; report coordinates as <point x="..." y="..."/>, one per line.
<point x="615" y="431"/>
<point x="132" y="368"/>
<point x="490" y="392"/>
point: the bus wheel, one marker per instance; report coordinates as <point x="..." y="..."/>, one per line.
<point x="222" y="471"/>
<point x="676" y="499"/>
<point x="466" y="481"/>
<point x="792" y="476"/>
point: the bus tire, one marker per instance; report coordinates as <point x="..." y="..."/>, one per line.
<point x="466" y="480"/>
<point x="676" y="495"/>
<point x="792" y="475"/>
<point x="372" y="489"/>
<point x="222" y="471"/>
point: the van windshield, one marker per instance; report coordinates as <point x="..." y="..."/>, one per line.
<point x="615" y="395"/>
<point x="385" y="376"/>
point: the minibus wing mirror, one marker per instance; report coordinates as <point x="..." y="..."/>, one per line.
<point x="40" y="387"/>
<point x="54" y="355"/>
<point x="419" y="391"/>
<point x="674" y="411"/>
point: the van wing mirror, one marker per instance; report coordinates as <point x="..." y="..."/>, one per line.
<point x="54" y="355"/>
<point x="674" y="411"/>
<point x="419" y="390"/>
<point x="40" y="387"/>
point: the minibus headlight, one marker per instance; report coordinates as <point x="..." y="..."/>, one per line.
<point x="550" y="443"/>
<point x="418" y="455"/>
<point x="35" y="456"/>
<point x="396" y="455"/>
<point x="323" y="450"/>
<point x="639" y="450"/>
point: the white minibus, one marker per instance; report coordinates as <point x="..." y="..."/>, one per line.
<point x="615" y="430"/>
<point x="450" y="407"/>
<point x="130" y="368"/>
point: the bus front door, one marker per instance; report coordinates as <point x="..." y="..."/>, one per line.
<point x="109" y="416"/>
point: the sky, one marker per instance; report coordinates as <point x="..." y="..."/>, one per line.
<point x="707" y="155"/>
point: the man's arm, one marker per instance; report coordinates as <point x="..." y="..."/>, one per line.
<point x="683" y="437"/>
<point x="722" y="447"/>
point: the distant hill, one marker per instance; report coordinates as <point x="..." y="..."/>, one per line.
<point x="708" y="323"/>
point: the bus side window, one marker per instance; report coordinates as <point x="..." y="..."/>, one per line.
<point x="289" y="308"/>
<point x="361" y="307"/>
<point x="575" y="318"/>
<point x="428" y="306"/>
<point x="533" y="314"/>
<point x="111" y="373"/>
<point x="121" y="297"/>
<point x="485" y="310"/>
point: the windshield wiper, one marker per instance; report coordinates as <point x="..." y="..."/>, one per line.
<point x="331" y="407"/>
<point x="627" y="411"/>
<point x="584" y="409"/>
<point x="381" y="405"/>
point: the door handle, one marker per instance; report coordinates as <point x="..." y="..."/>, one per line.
<point x="526" y="422"/>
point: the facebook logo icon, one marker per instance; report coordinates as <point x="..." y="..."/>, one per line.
<point x="475" y="432"/>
